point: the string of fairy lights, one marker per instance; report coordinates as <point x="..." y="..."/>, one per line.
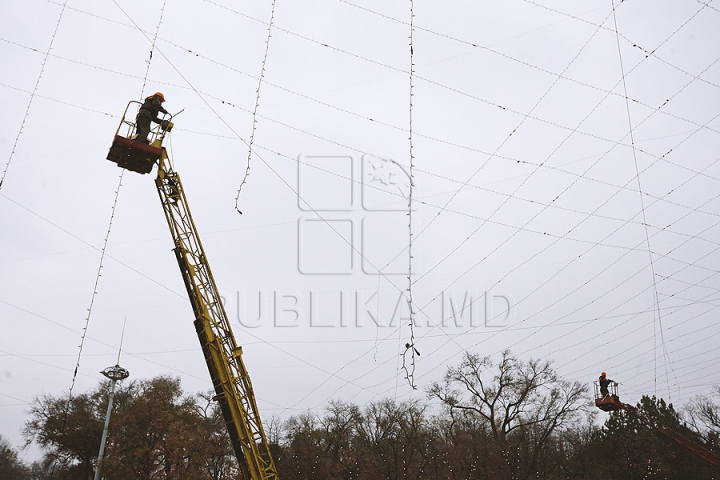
<point x="382" y="384"/>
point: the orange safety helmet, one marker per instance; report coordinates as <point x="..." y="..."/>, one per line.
<point x="603" y="374"/>
<point x="159" y="94"/>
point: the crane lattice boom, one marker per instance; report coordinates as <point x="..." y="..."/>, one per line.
<point x="233" y="389"/>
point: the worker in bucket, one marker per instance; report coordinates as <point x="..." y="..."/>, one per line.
<point x="149" y="113"/>
<point x="604" y="383"/>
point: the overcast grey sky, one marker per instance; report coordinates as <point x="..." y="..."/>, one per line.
<point x="530" y="123"/>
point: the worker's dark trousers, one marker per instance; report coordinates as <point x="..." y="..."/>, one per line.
<point x="143" y="128"/>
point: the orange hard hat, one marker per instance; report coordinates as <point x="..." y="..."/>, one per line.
<point x="159" y="94"/>
<point x="603" y="374"/>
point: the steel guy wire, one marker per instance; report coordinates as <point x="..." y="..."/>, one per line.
<point x="344" y="110"/>
<point x="93" y="247"/>
<point x="438" y="365"/>
<point x="142" y="356"/>
<point x="693" y="209"/>
<point x="658" y="109"/>
<point x="509" y="329"/>
<point x="694" y="301"/>
<point x="639" y="294"/>
<point x="691" y="345"/>
<point x="497" y="149"/>
<point x="558" y="301"/>
<point x="32" y="95"/>
<point x="660" y="158"/>
<point x="638" y="272"/>
<point x="400" y="70"/>
<point x="599" y="181"/>
<point x="240" y="138"/>
<point x="639" y="328"/>
<point x="283" y="351"/>
<point x="60" y="101"/>
<point x="565" y="237"/>
<point x="642" y="201"/>
<point x="632" y="43"/>
<point x="644" y="223"/>
<point x="574" y="259"/>
<point x="24" y="402"/>
<point x="266" y="163"/>
<point x="549" y="72"/>
<point x="687" y="377"/>
<point x="628" y="334"/>
<point x="708" y="5"/>
<point x="697" y="369"/>
<point x="112" y="216"/>
<point x="685" y="282"/>
<point x="393" y="126"/>
<point x="198" y="93"/>
<point x="622" y="362"/>
<point x="419" y="170"/>
<point x="581" y="286"/>
<point x="139" y="356"/>
<point x="451" y="38"/>
<point x="174" y="292"/>
<point x="636" y="65"/>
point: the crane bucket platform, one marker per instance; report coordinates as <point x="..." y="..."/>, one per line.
<point x="132" y="154"/>
<point x="610" y="401"/>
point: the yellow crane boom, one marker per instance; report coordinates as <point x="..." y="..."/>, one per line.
<point x="233" y="389"/>
<point x="231" y="381"/>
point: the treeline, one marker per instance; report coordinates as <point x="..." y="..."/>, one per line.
<point x="488" y="418"/>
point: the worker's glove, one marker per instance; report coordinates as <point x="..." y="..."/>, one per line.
<point x="164" y="124"/>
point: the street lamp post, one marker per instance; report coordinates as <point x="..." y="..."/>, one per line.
<point x="115" y="374"/>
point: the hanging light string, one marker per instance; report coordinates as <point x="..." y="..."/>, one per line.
<point x="257" y="105"/>
<point x="32" y="95"/>
<point x="152" y="49"/>
<point x="408" y="364"/>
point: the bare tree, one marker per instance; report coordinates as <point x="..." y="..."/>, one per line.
<point x="156" y="432"/>
<point x="68" y="430"/>
<point x="10" y="465"/>
<point x="392" y="438"/>
<point x="523" y="404"/>
<point x="306" y="446"/>
<point x="340" y="425"/>
<point x="704" y="416"/>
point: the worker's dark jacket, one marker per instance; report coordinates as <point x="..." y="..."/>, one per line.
<point x="150" y="108"/>
<point x="604" y="383"/>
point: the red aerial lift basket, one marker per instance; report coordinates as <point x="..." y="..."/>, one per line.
<point x="131" y="154"/>
<point x="135" y="156"/>
<point x="609" y="402"/>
